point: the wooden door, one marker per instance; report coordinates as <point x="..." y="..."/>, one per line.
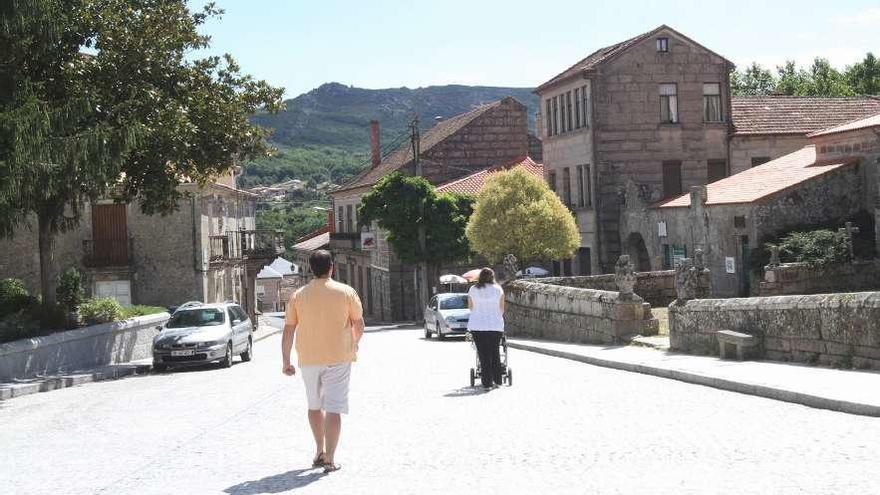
<point x="110" y="234"/>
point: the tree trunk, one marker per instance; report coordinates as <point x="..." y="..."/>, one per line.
<point x="45" y="243"/>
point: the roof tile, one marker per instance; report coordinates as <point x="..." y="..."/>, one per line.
<point x="797" y="114"/>
<point x="873" y="121"/>
<point x="473" y="184"/>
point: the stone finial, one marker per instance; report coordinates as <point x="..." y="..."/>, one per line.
<point x="699" y="260"/>
<point x="511" y="265"/>
<point x="699" y="195"/>
<point x="687" y="280"/>
<point x="774" y="255"/>
<point x="624" y="277"/>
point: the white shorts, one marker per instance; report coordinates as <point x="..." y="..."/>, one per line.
<point x="327" y="386"/>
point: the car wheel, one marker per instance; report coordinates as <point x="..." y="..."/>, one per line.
<point x="509" y="377"/>
<point x="440" y="334"/>
<point x="159" y="368"/>
<point x="427" y="331"/>
<point x="248" y="354"/>
<point x="473" y="378"/>
<point x="227" y="361"/>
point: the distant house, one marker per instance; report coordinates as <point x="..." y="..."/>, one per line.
<point x="473" y="184"/>
<point x="275" y="283"/>
<point x="491" y="134"/>
<point x="208" y="250"/>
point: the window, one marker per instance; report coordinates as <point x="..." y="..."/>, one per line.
<point x="580" y="185"/>
<point x="711" y="102"/>
<point x="568" y="109"/>
<point x="662" y="45"/>
<point x="588" y="186"/>
<point x="340" y="220"/>
<point x="577" y="108"/>
<point x="562" y="127"/>
<point x="667" y="257"/>
<point x="551" y="180"/>
<point x="584" y="261"/>
<point x="349" y="218"/>
<point x="671" y="179"/>
<point x="548" y="118"/>
<point x="585" y="106"/>
<point x="566" y="186"/>
<point x="759" y="160"/>
<point x="555" y="116"/>
<point x="716" y="170"/>
<point x="669" y="103"/>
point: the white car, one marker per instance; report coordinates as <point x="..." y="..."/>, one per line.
<point x="447" y="314"/>
<point x="204" y="333"/>
<point x="533" y="272"/>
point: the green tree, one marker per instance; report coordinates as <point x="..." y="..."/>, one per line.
<point x="827" y="81"/>
<point x="131" y="120"/>
<point x="864" y="77"/>
<point x="754" y="81"/>
<point x="517" y="213"/>
<point x="791" y="80"/>
<point x="400" y="204"/>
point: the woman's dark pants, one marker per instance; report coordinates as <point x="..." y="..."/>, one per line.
<point x="490" y="358"/>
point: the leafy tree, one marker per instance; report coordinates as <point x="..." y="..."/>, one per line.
<point x="401" y="204"/>
<point x="791" y="80"/>
<point x="132" y="120"/>
<point x="825" y="80"/>
<point x="864" y="77"/>
<point x="517" y="213"/>
<point x="755" y="80"/>
<point x="295" y="221"/>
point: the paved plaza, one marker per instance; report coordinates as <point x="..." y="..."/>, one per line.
<point x="416" y="427"/>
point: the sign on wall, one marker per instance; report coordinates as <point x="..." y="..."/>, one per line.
<point x="368" y="241"/>
<point x="730" y="264"/>
<point x="661" y="229"/>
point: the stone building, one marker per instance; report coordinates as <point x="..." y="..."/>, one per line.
<point x="208" y="250"/>
<point x="458" y="146"/>
<point x="654" y="109"/>
<point x="830" y="180"/>
<point x="275" y="283"/>
<point x="767" y="127"/>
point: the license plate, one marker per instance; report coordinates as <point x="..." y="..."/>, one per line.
<point x="188" y="352"/>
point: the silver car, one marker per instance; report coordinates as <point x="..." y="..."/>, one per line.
<point x="204" y="333"/>
<point x="447" y="314"/>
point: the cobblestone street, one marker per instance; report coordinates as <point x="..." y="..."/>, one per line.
<point x="416" y="427"/>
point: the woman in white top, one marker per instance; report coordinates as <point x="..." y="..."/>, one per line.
<point x="486" y="324"/>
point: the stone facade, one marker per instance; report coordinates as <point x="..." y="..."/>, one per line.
<point x="626" y="140"/>
<point x="748" y="150"/>
<point x="831" y="329"/>
<point x="170" y="259"/>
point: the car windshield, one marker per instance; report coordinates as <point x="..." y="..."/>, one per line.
<point x="205" y="317"/>
<point x="454" y="302"/>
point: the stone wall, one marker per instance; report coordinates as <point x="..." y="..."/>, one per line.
<point x="657" y="288"/>
<point x="570" y="314"/>
<point x="84" y="348"/>
<point x="745" y="147"/>
<point x="830" y="329"/>
<point x="802" y="278"/>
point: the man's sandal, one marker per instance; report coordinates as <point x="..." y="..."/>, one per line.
<point x="329" y="468"/>
<point x="319" y="460"/>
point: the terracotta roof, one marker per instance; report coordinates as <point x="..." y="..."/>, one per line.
<point x="473" y="184"/>
<point x="797" y="114"/>
<point x="873" y="121"/>
<point x="764" y="180"/>
<point x="403" y="154"/>
<point x="603" y="54"/>
<point x="314" y="243"/>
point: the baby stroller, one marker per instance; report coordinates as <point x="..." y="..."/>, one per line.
<point x="477" y="373"/>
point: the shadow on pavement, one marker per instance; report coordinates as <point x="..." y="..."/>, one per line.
<point x="467" y="392"/>
<point x="279" y="483"/>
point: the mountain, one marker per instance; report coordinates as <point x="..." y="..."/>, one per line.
<point x="337" y="115"/>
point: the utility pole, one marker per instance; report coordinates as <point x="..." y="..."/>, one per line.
<point x="424" y="293"/>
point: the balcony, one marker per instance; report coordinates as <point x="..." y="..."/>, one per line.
<point x="345" y="240"/>
<point x="103" y="253"/>
<point x="260" y="244"/>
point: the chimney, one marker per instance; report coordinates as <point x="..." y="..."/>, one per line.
<point x="374" y="143"/>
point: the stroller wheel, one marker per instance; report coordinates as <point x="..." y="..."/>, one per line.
<point x="473" y="378"/>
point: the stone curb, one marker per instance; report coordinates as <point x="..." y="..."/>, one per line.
<point x="13" y="390"/>
<point x="815" y="401"/>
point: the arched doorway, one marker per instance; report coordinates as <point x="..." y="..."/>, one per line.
<point x="638" y="253"/>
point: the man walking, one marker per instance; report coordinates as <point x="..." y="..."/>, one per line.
<point x="326" y="318"/>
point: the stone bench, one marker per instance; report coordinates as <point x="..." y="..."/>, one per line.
<point x="728" y="341"/>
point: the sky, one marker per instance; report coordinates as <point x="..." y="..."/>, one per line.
<point x="301" y="44"/>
